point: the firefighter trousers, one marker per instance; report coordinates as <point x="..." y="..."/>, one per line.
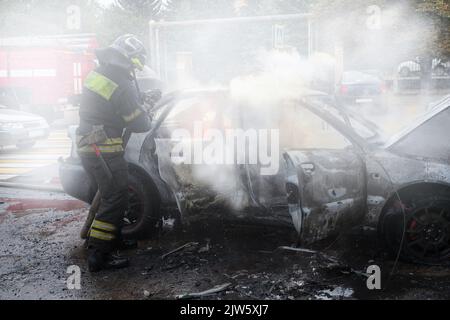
<point x="105" y="231"/>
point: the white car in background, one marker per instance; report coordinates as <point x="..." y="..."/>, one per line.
<point x="20" y="128"/>
<point x="412" y="68"/>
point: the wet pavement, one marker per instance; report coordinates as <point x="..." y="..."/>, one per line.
<point x="39" y="241"/>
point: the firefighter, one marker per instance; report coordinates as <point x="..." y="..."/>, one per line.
<point x="110" y="105"/>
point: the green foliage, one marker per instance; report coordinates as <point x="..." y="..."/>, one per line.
<point x="438" y="8"/>
<point x="438" y="13"/>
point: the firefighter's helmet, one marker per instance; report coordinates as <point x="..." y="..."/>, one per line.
<point x="132" y="48"/>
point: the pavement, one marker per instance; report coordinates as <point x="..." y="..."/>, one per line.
<point x="40" y="246"/>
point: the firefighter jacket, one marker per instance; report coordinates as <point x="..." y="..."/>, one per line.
<point x="111" y="100"/>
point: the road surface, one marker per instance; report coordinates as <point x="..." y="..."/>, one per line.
<point x="15" y="162"/>
<point x="39" y="243"/>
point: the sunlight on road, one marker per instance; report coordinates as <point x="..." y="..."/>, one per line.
<point x="15" y="162"/>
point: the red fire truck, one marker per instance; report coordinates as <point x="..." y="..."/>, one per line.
<point x="43" y="74"/>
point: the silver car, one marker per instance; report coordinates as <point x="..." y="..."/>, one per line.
<point x="21" y="129"/>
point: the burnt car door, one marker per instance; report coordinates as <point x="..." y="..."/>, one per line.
<point x="181" y="144"/>
<point x="325" y="177"/>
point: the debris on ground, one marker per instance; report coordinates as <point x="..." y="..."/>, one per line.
<point x="296" y="249"/>
<point x="208" y="292"/>
<point x="39" y="245"/>
<point x="336" y="293"/>
<point x="187" y="245"/>
<point x="206" y="247"/>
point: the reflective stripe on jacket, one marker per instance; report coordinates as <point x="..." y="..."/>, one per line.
<point x="114" y="145"/>
<point x="110" y="100"/>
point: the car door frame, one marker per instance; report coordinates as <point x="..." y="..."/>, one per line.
<point x="297" y="178"/>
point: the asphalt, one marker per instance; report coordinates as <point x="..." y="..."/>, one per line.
<point x="39" y="241"/>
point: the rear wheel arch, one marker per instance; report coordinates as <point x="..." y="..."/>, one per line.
<point x="146" y="220"/>
<point x="423" y="189"/>
<point x="145" y="177"/>
<point x="413" y="197"/>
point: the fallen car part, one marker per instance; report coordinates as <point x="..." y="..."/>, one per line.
<point x="216" y="289"/>
<point x="297" y="249"/>
<point x="333" y="262"/>
<point x="189" y="244"/>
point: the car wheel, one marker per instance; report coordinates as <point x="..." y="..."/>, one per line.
<point x="142" y="219"/>
<point x="26" y="145"/>
<point x="405" y="72"/>
<point x="422" y="228"/>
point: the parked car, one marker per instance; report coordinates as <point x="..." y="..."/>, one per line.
<point x="412" y="68"/>
<point x="399" y="185"/>
<point x="361" y="88"/>
<point x="21" y="129"/>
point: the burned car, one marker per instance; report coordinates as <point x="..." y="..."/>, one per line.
<point x="336" y="170"/>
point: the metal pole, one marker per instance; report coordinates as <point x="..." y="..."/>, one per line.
<point x="168" y="24"/>
<point x="151" y="33"/>
<point x="157" y="53"/>
<point x="310" y="38"/>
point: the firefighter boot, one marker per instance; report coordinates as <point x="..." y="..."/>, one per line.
<point x="127" y="244"/>
<point x="124" y="244"/>
<point x="98" y="260"/>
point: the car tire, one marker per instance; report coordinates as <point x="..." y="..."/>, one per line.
<point x="25" y="145"/>
<point x="142" y="219"/>
<point x="421" y="228"/>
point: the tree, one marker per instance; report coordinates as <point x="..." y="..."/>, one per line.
<point x="161" y="6"/>
<point x="146" y="8"/>
<point x="438" y="13"/>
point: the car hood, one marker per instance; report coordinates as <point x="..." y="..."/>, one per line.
<point x="438" y="108"/>
<point x="10" y="115"/>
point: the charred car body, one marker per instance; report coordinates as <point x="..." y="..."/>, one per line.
<point x="401" y="185"/>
